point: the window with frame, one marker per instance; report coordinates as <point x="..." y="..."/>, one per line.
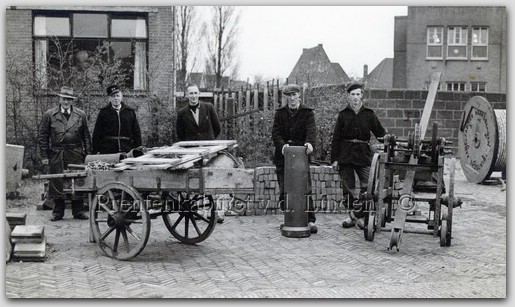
<point x="99" y="47"/>
<point x="479" y="43"/>
<point x="478" y="86"/>
<point x="457" y="43"/>
<point x="434" y="43"/>
<point x="456" y="86"/>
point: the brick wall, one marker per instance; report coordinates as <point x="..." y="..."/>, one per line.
<point x="400" y="109"/>
<point x="326" y="193"/>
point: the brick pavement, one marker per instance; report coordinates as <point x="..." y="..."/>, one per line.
<point x="246" y="257"/>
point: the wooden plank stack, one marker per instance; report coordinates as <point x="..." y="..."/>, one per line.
<point x="181" y="155"/>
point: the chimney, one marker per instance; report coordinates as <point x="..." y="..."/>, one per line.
<point x="365" y="71"/>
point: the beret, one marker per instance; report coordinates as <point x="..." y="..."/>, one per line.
<point x="354" y="86"/>
<point x="291" y="88"/>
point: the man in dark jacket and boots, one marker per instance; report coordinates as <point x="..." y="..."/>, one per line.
<point x="197" y="121"/>
<point x="350" y="150"/>
<point x="117" y="128"/>
<point x="294" y="125"/>
<point x="64" y="139"/>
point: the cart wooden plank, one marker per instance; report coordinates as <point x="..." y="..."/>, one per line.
<point x="205" y="143"/>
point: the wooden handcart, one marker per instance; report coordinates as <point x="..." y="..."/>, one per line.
<point x="178" y="183"/>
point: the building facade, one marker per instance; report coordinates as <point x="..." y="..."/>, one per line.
<point x="467" y="44"/>
<point x="88" y="48"/>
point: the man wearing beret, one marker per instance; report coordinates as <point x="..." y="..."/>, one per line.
<point x="117" y="128"/>
<point x="294" y="125"/>
<point x="64" y="139"/>
<point x="350" y="150"/>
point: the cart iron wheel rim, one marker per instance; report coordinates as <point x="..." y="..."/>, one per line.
<point x="370" y="228"/>
<point x="121" y="222"/>
<point x="191" y="218"/>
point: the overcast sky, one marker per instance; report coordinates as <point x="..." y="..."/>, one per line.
<point x="271" y="38"/>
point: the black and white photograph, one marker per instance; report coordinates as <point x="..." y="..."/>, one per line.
<point x="292" y="150"/>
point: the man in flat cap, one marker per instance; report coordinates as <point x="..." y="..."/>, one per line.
<point x="294" y="125"/>
<point x="117" y="128"/>
<point x="64" y="139"/>
<point x="350" y="150"/>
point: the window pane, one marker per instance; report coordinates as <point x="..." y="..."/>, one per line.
<point x="457" y="52"/>
<point x="479" y="52"/>
<point x="123" y="56"/>
<point x="434" y="52"/>
<point x="51" y="26"/>
<point x="89" y="25"/>
<point x="133" y="28"/>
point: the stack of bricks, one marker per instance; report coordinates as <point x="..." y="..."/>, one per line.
<point x="29" y="243"/>
<point x="326" y="192"/>
<point x="14" y="219"/>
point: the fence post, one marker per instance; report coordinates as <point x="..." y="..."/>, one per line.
<point x="265" y="98"/>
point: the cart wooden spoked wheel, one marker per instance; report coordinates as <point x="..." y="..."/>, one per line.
<point x="371" y="200"/>
<point x="446" y="222"/>
<point x="120" y="221"/>
<point x="191" y="218"/>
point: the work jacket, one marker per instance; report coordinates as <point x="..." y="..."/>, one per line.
<point x="116" y="131"/>
<point x="350" y="145"/>
<point x="294" y="128"/>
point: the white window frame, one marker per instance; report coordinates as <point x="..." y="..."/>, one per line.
<point x="480" y="37"/>
<point x="477" y="85"/>
<point x="457" y="37"/>
<point x="434" y="40"/>
<point x="456" y="86"/>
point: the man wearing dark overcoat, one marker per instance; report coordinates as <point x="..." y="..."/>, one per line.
<point x="198" y="120"/>
<point x="294" y="125"/>
<point x="117" y="128"/>
<point x="64" y="139"/>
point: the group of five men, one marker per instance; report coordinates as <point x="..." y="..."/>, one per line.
<point x="64" y="138"/>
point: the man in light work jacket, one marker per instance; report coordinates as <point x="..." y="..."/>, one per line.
<point x="117" y="128"/>
<point x="64" y="139"/>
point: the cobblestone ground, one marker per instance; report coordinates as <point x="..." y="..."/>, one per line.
<point x="247" y="257"/>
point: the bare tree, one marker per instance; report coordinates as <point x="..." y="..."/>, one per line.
<point x="221" y="41"/>
<point x="188" y="31"/>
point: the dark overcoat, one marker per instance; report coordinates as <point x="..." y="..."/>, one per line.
<point x="293" y="128"/>
<point x="208" y="127"/>
<point x="116" y="131"/>
<point x="63" y="141"/>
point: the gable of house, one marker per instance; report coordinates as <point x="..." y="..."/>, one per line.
<point x="381" y="76"/>
<point x="315" y="68"/>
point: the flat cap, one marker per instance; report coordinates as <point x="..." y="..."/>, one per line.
<point x="113" y="89"/>
<point x="291" y="88"/>
<point x="354" y="86"/>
